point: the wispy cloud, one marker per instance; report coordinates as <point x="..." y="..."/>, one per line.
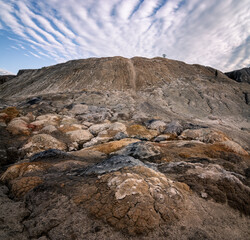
<point x="215" y="33"/>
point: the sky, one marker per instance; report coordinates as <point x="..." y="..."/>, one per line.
<point x="34" y="33"/>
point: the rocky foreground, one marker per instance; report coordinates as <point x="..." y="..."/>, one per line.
<point x="156" y="163"/>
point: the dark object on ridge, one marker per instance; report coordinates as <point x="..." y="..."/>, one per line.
<point x="34" y="100"/>
<point x="241" y="75"/>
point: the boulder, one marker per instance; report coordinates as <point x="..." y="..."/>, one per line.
<point x="135" y="199"/>
<point x="233" y="146"/>
<point x="96" y="128"/>
<point x="206" y="135"/>
<point x="141" y="132"/>
<point x="113" y="146"/>
<point x="48" y="129"/>
<point x="79" y="109"/>
<point x="141" y="150"/>
<point x="80" y="136"/>
<point x="165" y="137"/>
<point x="11" y="112"/>
<point x="18" y="126"/>
<point x="95" y="141"/>
<point x="68" y="121"/>
<point x="174" y="127"/>
<point x="70" y="128"/>
<point x="89" y="155"/>
<point x="158" y="125"/>
<point x="41" y="142"/>
<point x="45" y="120"/>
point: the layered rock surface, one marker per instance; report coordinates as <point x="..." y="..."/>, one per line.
<point x="149" y="149"/>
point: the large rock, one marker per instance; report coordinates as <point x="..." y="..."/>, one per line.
<point x="79" y="109"/>
<point x="233" y="146"/>
<point x="41" y="142"/>
<point x="112" y="146"/>
<point x="141" y="150"/>
<point x="158" y="125"/>
<point x="45" y="120"/>
<point x="80" y="136"/>
<point x="12" y="112"/>
<point x="136" y="199"/>
<point x="96" y="128"/>
<point x="206" y="135"/>
<point x="141" y="132"/>
<point x="174" y="127"/>
<point x="18" y="126"/>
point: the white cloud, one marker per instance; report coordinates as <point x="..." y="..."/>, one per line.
<point x="35" y="55"/>
<point x="215" y="33"/>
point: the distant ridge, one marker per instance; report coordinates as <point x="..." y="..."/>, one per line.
<point x="241" y="75"/>
<point x="112" y="73"/>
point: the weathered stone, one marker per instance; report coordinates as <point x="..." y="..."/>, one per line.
<point x="47" y="154"/>
<point x="204" y="135"/>
<point x="19" y="187"/>
<point x="22" y="169"/>
<point x="137" y="199"/>
<point x="233" y="146"/>
<point x="112" y="146"/>
<point x="70" y="128"/>
<point x="120" y="135"/>
<point x="95" y="141"/>
<point x="48" y="129"/>
<point x="174" y="127"/>
<point x="89" y="155"/>
<point x="96" y="128"/>
<point x="66" y="120"/>
<point x="41" y="142"/>
<point x="18" y="126"/>
<point x="141" y="150"/>
<point x="165" y="137"/>
<point x="80" y="136"/>
<point x="158" y="125"/>
<point x="45" y="120"/>
<point x="12" y="112"/>
<point x="140" y="132"/>
<point x="79" y="109"/>
<point x="113" y="164"/>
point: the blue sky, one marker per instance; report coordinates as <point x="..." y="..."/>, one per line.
<point x="35" y="33"/>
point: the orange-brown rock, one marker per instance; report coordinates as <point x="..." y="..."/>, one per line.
<point x="18" y="126"/>
<point x="41" y="142"/>
<point x="141" y="132"/>
<point x="11" y="112"/>
<point x="22" y="169"/>
<point x="136" y="200"/>
<point x="20" y="186"/>
<point x="113" y="146"/>
<point x="206" y="135"/>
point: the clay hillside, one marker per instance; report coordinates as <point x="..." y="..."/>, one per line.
<point x="117" y="148"/>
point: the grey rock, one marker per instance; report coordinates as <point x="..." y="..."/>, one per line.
<point x="174" y="127"/>
<point x="79" y="109"/>
<point x="113" y="164"/>
<point x="120" y="135"/>
<point x="141" y="150"/>
<point x="158" y="125"/>
<point x="50" y="153"/>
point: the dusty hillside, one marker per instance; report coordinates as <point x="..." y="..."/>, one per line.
<point x="115" y="73"/>
<point x="117" y="148"/>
